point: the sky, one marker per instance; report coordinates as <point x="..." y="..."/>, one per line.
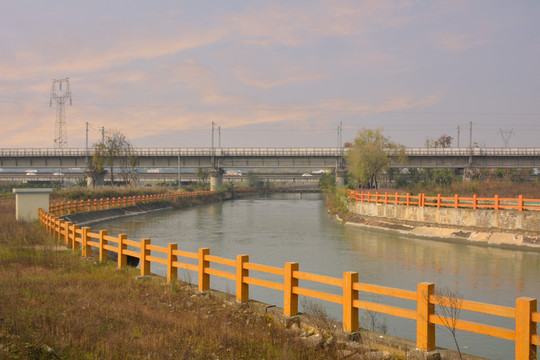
<point x="271" y="73"/>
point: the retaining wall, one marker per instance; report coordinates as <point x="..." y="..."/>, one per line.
<point x="501" y="227"/>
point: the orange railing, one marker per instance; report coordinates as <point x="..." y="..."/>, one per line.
<point x="70" y="207"/>
<point x="243" y="273"/>
<point x="496" y="203"/>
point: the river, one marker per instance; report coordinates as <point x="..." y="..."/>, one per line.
<point x="276" y="229"/>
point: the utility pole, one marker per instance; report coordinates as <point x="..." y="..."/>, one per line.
<point x="179" y="183"/>
<point x="219" y="137"/>
<point x="470" y="136"/>
<point x="212" y="144"/>
<point x="458" y="128"/>
<point x="60" y="97"/>
<point x="86" y="159"/>
<point x="103" y="134"/>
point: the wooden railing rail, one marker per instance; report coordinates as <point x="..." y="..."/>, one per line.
<point x="496" y="203"/>
<point x="242" y="272"/>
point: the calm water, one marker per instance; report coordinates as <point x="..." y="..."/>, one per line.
<point x="280" y="228"/>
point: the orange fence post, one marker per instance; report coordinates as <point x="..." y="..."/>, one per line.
<point x="520" y="203"/>
<point x="525" y="328"/>
<point x="290" y="301"/>
<point x="397" y="199"/>
<point x="425" y="331"/>
<point x="103" y="253"/>
<point x="474" y="202"/>
<point x="86" y="249"/>
<point x="376" y="197"/>
<point x="408" y="199"/>
<point x="438" y="200"/>
<point x="496" y="202"/>
<point x="61" y="226"/>
<point x="75" y="243"/>
<point x="172" y="272"/>
<point x="145" y="252"/>
<point x="350" y="313"/>
<point x="122" y="258"/>
<point x="242" y="288"/>
<point x="204" y="278"/>
<point x="386" y="197"/>
<point x="456" y="201"/>
<point x="67" y="227"/>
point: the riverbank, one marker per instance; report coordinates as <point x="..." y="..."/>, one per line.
<point x="468" y="235"/>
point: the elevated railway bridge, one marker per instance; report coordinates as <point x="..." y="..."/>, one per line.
<point x="218" y="159"/>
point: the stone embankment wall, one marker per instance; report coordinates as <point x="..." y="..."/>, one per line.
<point x="496" y="227"/>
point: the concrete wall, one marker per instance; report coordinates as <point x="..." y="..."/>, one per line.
<point x="505" y="220"/>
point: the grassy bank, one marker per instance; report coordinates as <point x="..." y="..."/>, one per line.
<point x="53" y="304"/>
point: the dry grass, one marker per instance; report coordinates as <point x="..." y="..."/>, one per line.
<point x="56" y="305"/>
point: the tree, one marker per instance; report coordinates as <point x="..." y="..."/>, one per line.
<point x="202" y="174"/>
<point x="96" y="167"/>
<point x="370" y="156"/>
<point x="116" y="149"/>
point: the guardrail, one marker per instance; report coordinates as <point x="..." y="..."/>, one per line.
<point x="496" y="203"/>
<point x="70" y="207"/>
<point x="315" y="151"/>
<point x="182" y="152"/>
<point x="243" y="273"/>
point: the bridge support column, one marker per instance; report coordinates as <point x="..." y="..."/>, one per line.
<point x="216" y="178"/>
<point x="340" y="177"/>
<point x="100" y="180"/>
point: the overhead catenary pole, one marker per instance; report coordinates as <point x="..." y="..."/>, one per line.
<point x="179" y="183"/>
<point x="458" y="129"/>
<point x="212" y="145"/>
<point x="86" y="158"/>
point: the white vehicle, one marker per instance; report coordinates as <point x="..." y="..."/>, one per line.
<point x="233" y="172"/>
<point x="321" y="171"/>
<point x="307" y="174"/>
<point x="58" y="173"/>
<point x="31" y="172"/>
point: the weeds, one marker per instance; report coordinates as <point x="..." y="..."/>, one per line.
<point x="54" y="305"/>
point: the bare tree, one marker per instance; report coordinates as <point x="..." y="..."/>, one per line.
<point x="449" y="307"/>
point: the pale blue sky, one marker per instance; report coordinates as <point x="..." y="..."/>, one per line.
<point x="280" y="73"/>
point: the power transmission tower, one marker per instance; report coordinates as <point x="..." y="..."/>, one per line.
<point x="506" y="135"/>
<point x="60" y="97"/>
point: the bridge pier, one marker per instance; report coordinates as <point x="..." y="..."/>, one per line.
<point x="99" y="181"/>
<point x="340" y="177"/>
<point x="216" y="178"/>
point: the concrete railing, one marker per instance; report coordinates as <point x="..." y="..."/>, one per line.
<point x="496" y="203"/>
<point x="348" y="288"/>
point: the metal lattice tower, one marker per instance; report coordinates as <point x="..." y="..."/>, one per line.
<point x="506" y="135"/>
<point x="60" y="97"/>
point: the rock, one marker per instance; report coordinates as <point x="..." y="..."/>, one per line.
<point x="423" y="355"/>
<point x="315" y="340"/>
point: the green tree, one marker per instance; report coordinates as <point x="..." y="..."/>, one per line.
<point x="117" y="150"/>
<point x="202" y="174"/>
<point x="370" y="156"/>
